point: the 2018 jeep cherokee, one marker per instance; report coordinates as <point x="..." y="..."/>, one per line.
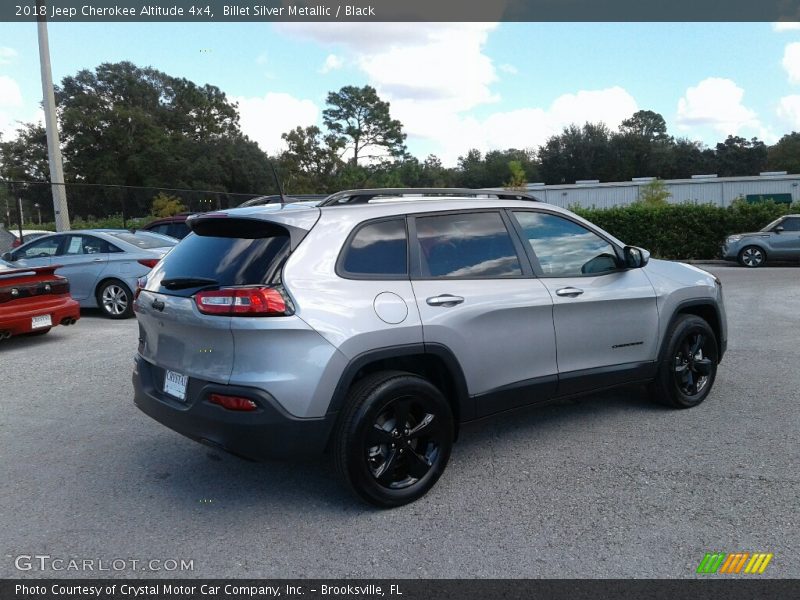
<point x="371" y="326"/>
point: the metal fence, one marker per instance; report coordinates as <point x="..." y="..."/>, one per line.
<point x="30" y="203"/>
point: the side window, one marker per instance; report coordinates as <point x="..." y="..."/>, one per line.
<point x="162" y="229"/>
<point x="177" y="230"/>
<point x="85" y="244"/>
<point x="46" y="247"/>
<point x="791" y="224"/>
<point x="377" y="249"/>
<point x="564" y="248"/>
<point x="469" y="245"/>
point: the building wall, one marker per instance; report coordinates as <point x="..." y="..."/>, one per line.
<point x="720" y="191"/>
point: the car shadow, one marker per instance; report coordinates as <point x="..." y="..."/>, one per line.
<point x="179" y="470"/>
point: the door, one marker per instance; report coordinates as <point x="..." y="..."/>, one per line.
<point x="605" y="316"/>
<point x="477" y="297"/>
<point x="786" y="244"/>
<point x="83" y="258"/>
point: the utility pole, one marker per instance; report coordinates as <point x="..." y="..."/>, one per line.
<point x="51" y="125"/>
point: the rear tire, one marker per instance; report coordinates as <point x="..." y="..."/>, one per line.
<point x="752" y="257"/>
<point x="686" y="373"/>
<point x="393" y="439"/>
<point x="115" y="299"/>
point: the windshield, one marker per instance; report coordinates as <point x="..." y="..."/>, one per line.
<point x="775" y="223"/>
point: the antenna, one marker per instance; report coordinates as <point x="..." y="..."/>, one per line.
<point x="277" y="181"/>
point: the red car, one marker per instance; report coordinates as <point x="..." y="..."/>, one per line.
<point x="34" y="299"/>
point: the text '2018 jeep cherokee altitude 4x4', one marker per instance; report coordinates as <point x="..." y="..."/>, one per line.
<point x="372" y="325"/>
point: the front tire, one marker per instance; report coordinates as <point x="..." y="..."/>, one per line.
<point x="115" y="299"/>
<point x="394" y="438"/>
<point x="687" y="371"/>
<point x="752" y="257"/>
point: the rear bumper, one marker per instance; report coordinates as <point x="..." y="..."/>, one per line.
<point x="17" y="321"/>
<point x="268" y="432"/>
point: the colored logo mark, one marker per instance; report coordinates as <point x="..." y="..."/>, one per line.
<point x="738" y="562"/>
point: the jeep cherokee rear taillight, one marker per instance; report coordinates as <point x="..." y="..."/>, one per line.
<point x="256" y="301"/>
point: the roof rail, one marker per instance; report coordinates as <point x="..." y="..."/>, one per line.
<point x="363" y="196"/>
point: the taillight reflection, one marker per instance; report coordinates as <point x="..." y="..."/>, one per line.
<point x="233" y="402"/>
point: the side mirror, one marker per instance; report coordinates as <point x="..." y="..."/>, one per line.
<point x="635" y="258"/>
<point x="778" y="229"/>
<point x="7" y="256"/>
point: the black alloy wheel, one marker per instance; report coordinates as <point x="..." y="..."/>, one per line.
<point x="688" y="368"/>
<point x="394" y="438"/>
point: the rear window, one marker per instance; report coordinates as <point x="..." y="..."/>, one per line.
<point x="142" y="239"/>
<point x="220" y="261"/>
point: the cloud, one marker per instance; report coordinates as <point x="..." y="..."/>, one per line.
<point x="527" y="127"/>
<point x="782" y="26"/>
<point x="789" y="110"/>
<point x="435" y="74"/>
<point x="264" y="119"/>
<point x="10" y="103"/>
<point x="716" y="103"/>
<point x="10" y="94"/>
<point x="7" y="55"/>
<point x="332" y="63"/>
<point x="791" y="61"/>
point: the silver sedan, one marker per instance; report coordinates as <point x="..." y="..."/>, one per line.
<point x="102" y="265"/>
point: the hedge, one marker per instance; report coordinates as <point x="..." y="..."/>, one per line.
<point x="683" y="231"/>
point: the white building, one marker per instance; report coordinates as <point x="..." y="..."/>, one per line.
<point x="700" y="189"/>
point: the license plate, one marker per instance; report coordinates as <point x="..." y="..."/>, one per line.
<point x="41" y="321"/>
<point x="175" y="385"/>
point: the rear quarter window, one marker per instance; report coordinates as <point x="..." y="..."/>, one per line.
<point x="376" y="250"/>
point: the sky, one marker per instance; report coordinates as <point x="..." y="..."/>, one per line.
<point x="454" y="86"/>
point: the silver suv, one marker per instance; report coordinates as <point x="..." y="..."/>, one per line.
<point x="373" y="325"/>
<point x="780" y="240"/>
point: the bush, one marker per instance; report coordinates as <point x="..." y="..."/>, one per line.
<point x="683" y="231"/>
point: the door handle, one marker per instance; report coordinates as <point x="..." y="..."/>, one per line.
<point x="569" y="292"/>
<point x="444" y="300"/>
<point x="97" y="260"/>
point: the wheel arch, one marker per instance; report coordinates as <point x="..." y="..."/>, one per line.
<point x="707" y="310"/>
<point x="434" y="362"/>
<point x="105" y="279"/>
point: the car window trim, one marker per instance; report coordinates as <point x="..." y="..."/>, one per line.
<point x="415" y="265"/>
<point x="345" y="274"/>
<point x="528" y="247"/>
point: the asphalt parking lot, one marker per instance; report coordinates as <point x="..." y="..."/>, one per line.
<point x="606" y="486"/>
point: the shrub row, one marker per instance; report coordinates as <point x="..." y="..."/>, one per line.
<point x="683" y="231"/>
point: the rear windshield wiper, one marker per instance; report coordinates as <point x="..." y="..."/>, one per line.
<point x="182" y="283"/>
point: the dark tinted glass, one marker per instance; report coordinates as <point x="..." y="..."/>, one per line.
<point x="378" y="249"/>
<point x="791" y="224"/>
<point x="472" y="245"/>
<point x="177" y="230"/>
<point x="228" y="261"/>
<point x="564" y="248"/>
<point x="142" y="239"/>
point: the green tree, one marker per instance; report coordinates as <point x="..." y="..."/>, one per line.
<point x="654" y="193"/>
<point x="518" y="180"/>
<point x="785" y="155"/>
<point x="642" y="146"/>
<point x="578" y="153"/>
<point x="362" y="123"/>
<point x="737" y="156"/>
<point x="166" y="205"/>
<point x="311" y="160"/>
